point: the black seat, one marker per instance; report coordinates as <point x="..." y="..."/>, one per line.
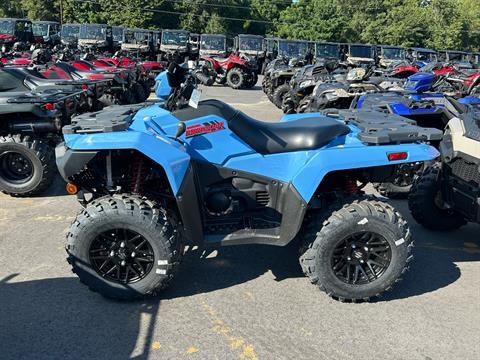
<point x="271" y="138"/>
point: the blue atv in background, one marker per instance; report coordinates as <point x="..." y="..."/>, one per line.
<point x="156" y="179"/>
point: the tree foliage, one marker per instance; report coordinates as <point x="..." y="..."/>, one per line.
<point x="433" y="23"/>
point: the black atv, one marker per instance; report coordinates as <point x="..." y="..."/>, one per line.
<point x="304" y="81"/>
<point x="327" y="62"/>
<point x="30" y="128"/>
<point x="25" y="79"/>
<point x="276" y="80"/>
<point x="447" y="195"/>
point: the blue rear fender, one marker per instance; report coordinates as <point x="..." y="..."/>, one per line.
<point x="338" y="158"/>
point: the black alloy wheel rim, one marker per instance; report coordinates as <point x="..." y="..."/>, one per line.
<point x="15" y="167"/>
<point x="122" y="256"/>
<point x="361" y="258"/>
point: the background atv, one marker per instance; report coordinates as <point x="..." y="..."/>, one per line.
<point x="235" y="71"/>
<point x="276" y="81"/>
<point x="24" y="79"/>
<point x="246" y="187"/>
<point x="447" y="195"/>
<point x="340" y="91"/>
<point x="30" y="128"/>
<point x="304" y="81"/>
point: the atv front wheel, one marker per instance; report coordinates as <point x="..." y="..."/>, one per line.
<point x="426" y="205"/>
<point x="279" y="93"/>
<point x="124" y="247"/>
<point x="236" y="78"/>
<point x="27" y="165"/>
<point x="357" y="251"/>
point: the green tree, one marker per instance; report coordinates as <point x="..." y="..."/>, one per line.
<point x="214" y="25"/>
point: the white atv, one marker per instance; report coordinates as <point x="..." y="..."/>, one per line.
<point x="447" y="195"/>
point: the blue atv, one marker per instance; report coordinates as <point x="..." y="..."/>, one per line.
<point x="156" y="179"/>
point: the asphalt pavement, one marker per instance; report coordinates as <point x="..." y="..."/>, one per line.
<point x="244" y="302"/>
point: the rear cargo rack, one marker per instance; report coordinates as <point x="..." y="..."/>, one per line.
<point x="380" y="128"/>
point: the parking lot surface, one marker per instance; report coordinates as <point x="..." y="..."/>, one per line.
<point x="246" y="302"/>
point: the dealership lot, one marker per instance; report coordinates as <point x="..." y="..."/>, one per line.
<point x="248" y="302"/>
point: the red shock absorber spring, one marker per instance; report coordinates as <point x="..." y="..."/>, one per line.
<point x="139" y="172"/>
<point x="351" y="187"/>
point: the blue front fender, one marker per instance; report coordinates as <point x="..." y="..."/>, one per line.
<point x="326" y="161"/>
<point x="167" y="153"/>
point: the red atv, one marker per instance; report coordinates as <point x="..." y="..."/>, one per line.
<point x="146" y="70"/>
<point x="451" y="79"/>
<point x="238" y="72"/>
<point x="119" y="85"/>
<point x="131" y="91"/>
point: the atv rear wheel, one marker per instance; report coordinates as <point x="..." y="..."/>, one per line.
<point x="236" y="78"/>
<point x="425" y="203"/>
<point x="124" y="247"/>
<point x="27" y="165"/>
<point x="279" y="93"/>
<point x="357" y="251"/>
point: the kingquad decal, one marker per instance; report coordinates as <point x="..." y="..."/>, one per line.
<point x="205" y="128"/>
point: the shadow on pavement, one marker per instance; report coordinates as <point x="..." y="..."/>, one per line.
<point x="57" y="319"/>
<point x="60" y="318"/>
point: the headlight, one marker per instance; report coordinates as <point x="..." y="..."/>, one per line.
<point x="306" y="83"/>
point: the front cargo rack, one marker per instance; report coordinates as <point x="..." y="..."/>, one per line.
<point x="112" y="118"/>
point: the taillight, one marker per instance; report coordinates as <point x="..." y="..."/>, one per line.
<point x="397" y="156"/>
<point x="123" y="75"/>
<point x="49" y="106"/>
<point x="84" y="87"/>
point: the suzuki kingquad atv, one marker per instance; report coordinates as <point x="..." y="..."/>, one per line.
<point x="30" y="124"/>
<point x="154" y="180"/>
<point x="447" y="195"/>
